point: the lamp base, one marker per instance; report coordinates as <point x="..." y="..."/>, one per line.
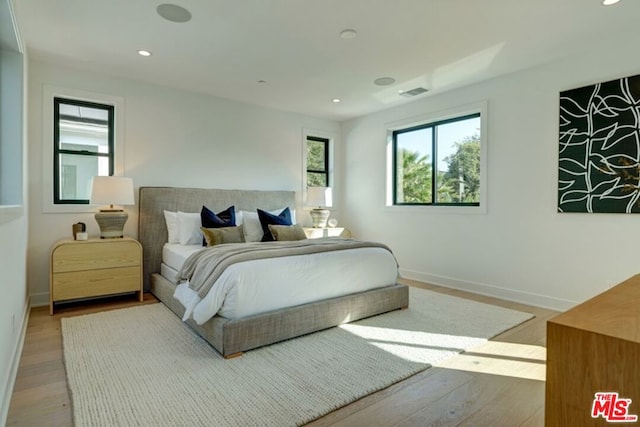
<point x="111" y="223"/>
<point x="319" y="217"/>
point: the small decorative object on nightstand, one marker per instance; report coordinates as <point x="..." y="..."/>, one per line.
<point x="320" y="197"/>
<point x="316" y="233"/>
<point x="95" y="267"/>
<point x="111" y="190"/>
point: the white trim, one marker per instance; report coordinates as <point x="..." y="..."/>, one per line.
<point x="9" y="20"/>
<point x="13" y="369"/>
<point x="481" y="107"/>
<point x="40" y="299"/>
<point x="528" y="298"/>
<point x="48" y="93"/>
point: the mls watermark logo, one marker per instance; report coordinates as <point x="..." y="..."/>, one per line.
<point x="612" y="408"/>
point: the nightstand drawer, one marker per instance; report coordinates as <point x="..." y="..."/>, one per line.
<point x="95" y="255"/>
<point x="82" y="284"/>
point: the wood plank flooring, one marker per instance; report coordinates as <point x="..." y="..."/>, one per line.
<point x="500" y="383"/>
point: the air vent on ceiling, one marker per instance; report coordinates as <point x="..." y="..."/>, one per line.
<point x="413" y="92"/>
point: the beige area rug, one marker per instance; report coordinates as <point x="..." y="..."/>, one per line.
<point x="142" y="366"/>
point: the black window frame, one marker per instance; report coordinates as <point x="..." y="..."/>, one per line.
<point x="434" y="147"/>
<point x="324" y="171"/>
<point x="57" y="151"/>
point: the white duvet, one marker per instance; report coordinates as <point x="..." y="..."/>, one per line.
<point x="259" y="286"/>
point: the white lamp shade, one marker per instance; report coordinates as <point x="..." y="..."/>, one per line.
<point x="319" y="197"/>
<point x="112" y="190"/>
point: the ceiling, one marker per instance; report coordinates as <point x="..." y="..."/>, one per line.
<point x="295" y="47"/>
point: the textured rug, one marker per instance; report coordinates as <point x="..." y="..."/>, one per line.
<point x="142" y="366"/>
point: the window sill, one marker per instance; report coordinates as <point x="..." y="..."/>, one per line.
<point x="447" y="210"/>
<point x="68" y="208"/>
<point x="10" y="213"/>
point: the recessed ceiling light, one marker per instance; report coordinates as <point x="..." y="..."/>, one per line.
<point x="609" y="2"/>
<point x="384" y="81"/>
<point x="173" y="12"/>
<point x="348" y="33"/>
<point x="336" y="100"/>
<point x="144" y="53"/>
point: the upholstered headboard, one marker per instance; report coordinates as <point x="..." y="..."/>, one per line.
<point x="153" y="201"/>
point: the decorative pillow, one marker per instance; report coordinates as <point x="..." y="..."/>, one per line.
<point x="251" y="223"/>
<point x="189" y="228"/>
<point x="266" y="219"/>
<point x="217" y="236"/>
<point x="251" y="226"/>
<point x="287" y="232"/>
<point x="226" y="218"/>
<point x="171" y="218"/>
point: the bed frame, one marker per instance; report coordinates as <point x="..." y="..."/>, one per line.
<point x="232" y="337"/>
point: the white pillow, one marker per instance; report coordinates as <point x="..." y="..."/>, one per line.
<point x="251" y="226"/>
<point x="171" y="218"/>
<point x="251" y="223"/>
<point x="189" y="228"/>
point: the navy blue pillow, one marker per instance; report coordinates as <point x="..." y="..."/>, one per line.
<point x="209" y="219"/>
<point x="266" y="218"/>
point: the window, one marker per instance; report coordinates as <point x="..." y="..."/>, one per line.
<point x="317" y="162"/>
<point x="83" y="147"/>
<point x="438" y="163"/>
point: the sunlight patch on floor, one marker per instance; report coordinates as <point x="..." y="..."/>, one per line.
<point x="402" y="335"/>
<point x="502" y="358"/>
<point x="414" y="346"/>
<point x="482" y="356"/>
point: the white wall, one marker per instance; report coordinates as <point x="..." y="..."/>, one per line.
<point x="11" y="72"/>
<point x="13" y="219"/>
<point x="521" y="249"/>
<point x="13" y="304"/>
<point x="172" y="138"/>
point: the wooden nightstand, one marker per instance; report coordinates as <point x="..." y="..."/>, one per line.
<point x="94" y="268"/>
<point x="316" y="233"/>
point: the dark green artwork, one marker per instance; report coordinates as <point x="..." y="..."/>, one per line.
<point x="599" y="154"/>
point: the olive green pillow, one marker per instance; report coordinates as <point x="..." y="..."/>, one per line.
<point x="217" y="236"/>
<point x="287" y="232"/>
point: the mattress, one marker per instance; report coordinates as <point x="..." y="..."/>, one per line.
<point x="258" y="286"/>
<point x="169" y="273"/>
<point x="175" y="254"/>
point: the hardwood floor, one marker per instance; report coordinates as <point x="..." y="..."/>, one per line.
<point x="500" y="383"/>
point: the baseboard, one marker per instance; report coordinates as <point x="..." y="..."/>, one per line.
<point x="528" y="298"/>
<point x="13" y="371"/>
<point x="40" y="300"/>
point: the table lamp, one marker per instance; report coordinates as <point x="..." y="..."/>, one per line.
<point x="111" y="190"/>
<point x="320" y="197"/>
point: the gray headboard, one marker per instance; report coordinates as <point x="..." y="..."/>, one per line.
<point x="153" y="201"/>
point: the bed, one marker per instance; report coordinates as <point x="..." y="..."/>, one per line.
<point x="232" y="336"/>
